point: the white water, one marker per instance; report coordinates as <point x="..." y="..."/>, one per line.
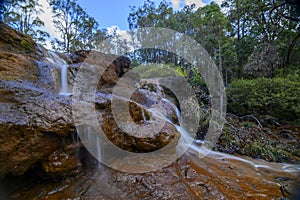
<point x="54" y="59"/>
<point x="197" y="148"/>
<point x="64" y="80"/>
<point x="174" y="108"/>
<point x="143" y="114"/>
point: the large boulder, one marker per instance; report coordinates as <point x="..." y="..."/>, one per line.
<point x="33" y="124"/>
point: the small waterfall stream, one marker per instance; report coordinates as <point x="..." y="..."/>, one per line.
<point x="64" y="80"/>
<point x="196" y="149"/>
<point x="54" y="59"/>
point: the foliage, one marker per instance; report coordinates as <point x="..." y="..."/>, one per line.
<point x="263" y="61"/>
<point x="181" y="72"/>
<point x="278" y="97"/>
<point x="23" y="16"/>
<point x="196" y="79"/>
<point x="292" y="73"/>
<point x="156" y="71"/>
<point x="266" y="151"/>
<point x="77" y="29"/>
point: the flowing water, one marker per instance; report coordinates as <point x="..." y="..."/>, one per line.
<point x="54" y="59"/>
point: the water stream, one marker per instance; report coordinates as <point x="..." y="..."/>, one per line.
<point x="197" y="149"/>
<point x="54" y="59"/>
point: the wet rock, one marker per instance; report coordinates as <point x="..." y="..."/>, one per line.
<point x="62" y="163"/>
<point x="190" y="177"/>
<point x="138" y="135"/>
<point x="32" y="125"/>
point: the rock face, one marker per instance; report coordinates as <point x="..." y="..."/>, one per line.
<point x="36" y="121"/>
<point x="33" y="120"/>
<point x="17" y="55"/>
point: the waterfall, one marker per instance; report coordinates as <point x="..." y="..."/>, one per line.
<point x="174" y="108"/>
<point x="54" y="59"/>
<point x="143" y="114"/>
<point x="64" y="80"/>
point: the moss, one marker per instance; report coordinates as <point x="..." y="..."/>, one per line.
<point x="267" y="152"/>
<point x="26" y="44"/>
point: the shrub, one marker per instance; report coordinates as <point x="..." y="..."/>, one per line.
<point x="278" y="97"/>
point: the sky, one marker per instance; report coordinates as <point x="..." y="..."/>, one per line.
<point x="111" y="13"/>
<point x="115" y="12"/>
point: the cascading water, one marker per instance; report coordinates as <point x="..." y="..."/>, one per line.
<point x="54" y="59"/>
<point x="174" y="108"/>
<point x="196" y="148"/>
<point x="143" y="114"/>
<point x="64" y="80"/>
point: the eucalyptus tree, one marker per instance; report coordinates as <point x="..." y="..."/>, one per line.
<point x="23" y="15"/>
<point x="75" y="26"/>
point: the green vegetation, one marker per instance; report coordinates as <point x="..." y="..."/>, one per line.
<point x="255" y="44"/>
<point x="268" y="152"/>
<point x="278" y="97"/>
<point x="25" y="44"/>
<point x="77" y="29"/>
<point x="156" y="71"/>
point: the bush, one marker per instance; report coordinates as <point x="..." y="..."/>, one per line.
<point x="156" y="71"/>
<point x="278" y="97"/>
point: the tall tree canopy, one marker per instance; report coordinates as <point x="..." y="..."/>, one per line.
<point x="76" y="28"/>
<point x="23" y="15"/>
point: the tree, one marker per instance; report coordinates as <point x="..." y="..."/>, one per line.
<point x="77" y="29"/>
<point x="259" y="22"/>
<point x="23" y="16"/>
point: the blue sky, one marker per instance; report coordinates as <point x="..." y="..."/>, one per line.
<point x="110" y="12"/>
<point x="115" y="12"/>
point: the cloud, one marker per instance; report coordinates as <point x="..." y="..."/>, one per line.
<point x="46" y="17"/>
<point x="198" y="3"/>
<point x="124" y="34"/>
<point x="218" y="1"/>
<point x="176" y="4"/>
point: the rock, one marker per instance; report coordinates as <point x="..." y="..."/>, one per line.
<point x="62" y="163"/>
<point x="17" y="67"/>
<point x="14" y="41"/>
<point x="17" y="55"/>
<point x="139" y="134"/>
<point x="190" y="177"/>
<point x="35" y="119"/>
<point x="33" y="123"/>
<point x="109" y="67"/>
<point x="78" y="56"/>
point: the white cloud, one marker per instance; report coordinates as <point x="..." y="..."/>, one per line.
<point x="198" y="3"/>
<point x="46" y="17"/>
<point x="218" y="1"/>
<point x="176" y="4"/>
<point x="124" y="34"/>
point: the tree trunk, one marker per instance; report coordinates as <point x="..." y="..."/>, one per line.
<point x="290" y="50"/>
<point x="239" y="51"/>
